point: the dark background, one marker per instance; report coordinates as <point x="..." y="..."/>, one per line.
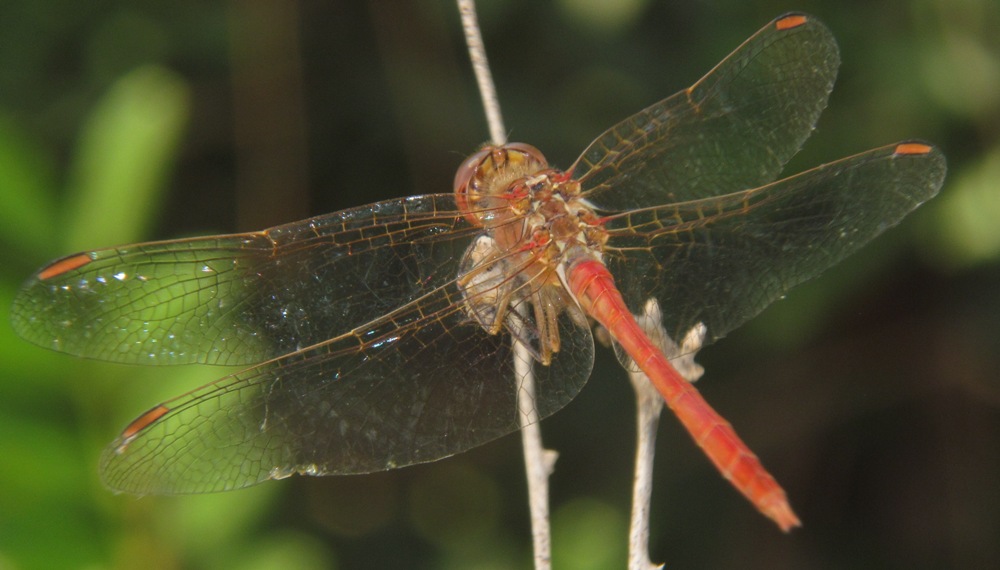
<point x="871" y="393"/>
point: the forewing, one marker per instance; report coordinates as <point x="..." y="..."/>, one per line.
<point x="721" y="261"/>
<point x="420" y="384"/>
<point x="244" y="298"/>
<point x="734" y="129"/>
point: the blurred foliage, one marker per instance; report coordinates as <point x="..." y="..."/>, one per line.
<point x="871" y="393"/>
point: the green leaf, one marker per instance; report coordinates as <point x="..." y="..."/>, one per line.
<point x="26" y="192"/>
<point x="126" y="151"/>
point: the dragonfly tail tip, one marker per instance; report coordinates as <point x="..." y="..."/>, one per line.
<point x="782" y="514"/>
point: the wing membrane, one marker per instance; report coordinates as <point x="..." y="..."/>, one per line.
<point x="734" y="129"/>
<point x="721" y="261"/>
<point x="422" y="383"/>
<point x="244" y="298"/>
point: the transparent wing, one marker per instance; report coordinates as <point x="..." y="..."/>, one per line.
<point x="721" y="261"/>
<point x="244" y="298"/>
<point x="419" y="384"/>
<point x="734" y="129"/>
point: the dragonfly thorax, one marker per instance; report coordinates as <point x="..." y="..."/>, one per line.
<point x="533" y="217"/>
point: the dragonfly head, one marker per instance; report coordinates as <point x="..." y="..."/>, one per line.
<point x="482" y="181"/>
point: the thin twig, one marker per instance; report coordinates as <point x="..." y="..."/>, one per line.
<point x="538" y="462"/>
<point x="481" y="67"/>
<point x="649" y="404"/>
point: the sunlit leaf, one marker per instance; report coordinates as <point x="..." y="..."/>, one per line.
<point x="124" y="157"/>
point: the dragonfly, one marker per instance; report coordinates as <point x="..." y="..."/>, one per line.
<point x="387" y="335"/>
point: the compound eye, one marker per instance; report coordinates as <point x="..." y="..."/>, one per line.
<point x="469" y="170"/>
<point x="467" y="180"/>
<point x="532" y="153"/>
